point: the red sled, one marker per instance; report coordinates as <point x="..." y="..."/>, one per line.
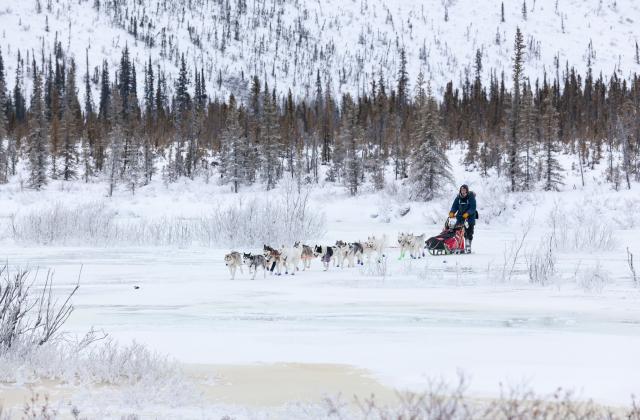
<point x="449" y="241"/>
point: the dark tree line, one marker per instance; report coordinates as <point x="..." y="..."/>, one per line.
<point x="132" y="131"/>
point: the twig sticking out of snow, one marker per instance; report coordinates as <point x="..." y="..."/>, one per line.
<point x="634" y="277"/>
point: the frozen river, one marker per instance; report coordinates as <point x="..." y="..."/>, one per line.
<point x="428" y="318"/>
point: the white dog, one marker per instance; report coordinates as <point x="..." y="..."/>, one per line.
<point x="411" y="243"/>
<point x="375" y="245"/>
<point x="291" y="258"/>
<point x="416" y="245"/>
<point x="404" y="243"/>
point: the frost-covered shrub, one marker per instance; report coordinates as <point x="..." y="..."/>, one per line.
<point x="281" y="220"/>
<point x="592" y="279"/>
<point x="441" y="400"/>
<point x="583" y="231"/>
<point x="541" y="262"/>
<point x="496" y="202"/>
<point x="34" y="346"/>
<point x="278" y="219"/>
<point x="27" y="318"/>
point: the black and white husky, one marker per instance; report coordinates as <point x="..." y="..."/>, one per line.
<point x="355" y="252"/>
<point x="254" y="262"/>
<point x="233" y="261"/>
<point x="327" y="254"/>
<point x="349" y="252"/>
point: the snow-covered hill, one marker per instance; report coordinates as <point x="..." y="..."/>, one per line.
<point x="348" y="42"/>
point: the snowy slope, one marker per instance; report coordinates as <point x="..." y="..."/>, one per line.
<point x="349" y="42"/>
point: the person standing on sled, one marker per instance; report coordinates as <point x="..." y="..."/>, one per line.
<point x="464" y="210"/>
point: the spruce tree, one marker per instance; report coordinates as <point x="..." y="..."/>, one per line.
<point x="149" y="100"/>
<point x="91" y="137"/>
<point x="350" y="136"/>
<point x="527" y="129"/>
<point x="270" y="141"/>
<point x="71" y="127"/>
<point x="105" y="92"/>
<point x="182" y="105"/>
<point x="430" y="170"/>
<point x="233" y="150"/>
<point x="513" y="147"/>
<point x="4" y="163"/>
<point x="125" y="78"/>
<point x="19" y="103"/>
<point x="115" y="152"/>
<point x="551" y="169"/>
<point x="403" y="80"/>
<point x="37" y="146"/>
<point x="88" y="96"/>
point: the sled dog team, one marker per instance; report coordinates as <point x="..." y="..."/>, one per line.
<point x="342" y="254"/>
<point x="289" y="258"/>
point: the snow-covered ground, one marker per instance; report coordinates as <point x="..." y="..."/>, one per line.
<point x="405" y="321"/>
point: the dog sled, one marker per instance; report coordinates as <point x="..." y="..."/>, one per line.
<point x="449" y="241"/>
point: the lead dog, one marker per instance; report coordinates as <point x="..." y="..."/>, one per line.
<point x="254" y="262"/>
<point x="412" y="243"/>
<point x="233" y="261"/>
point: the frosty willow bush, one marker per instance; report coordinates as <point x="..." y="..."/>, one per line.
<point x="276" y="219"/>
<point x="33" y="344"/>
<point x="29" y="318"/>
<point x="585" y="231"/>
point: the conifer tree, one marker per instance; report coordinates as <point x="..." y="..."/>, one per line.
<point x="270" y="141"/>
<point x="71" y="127"/>
<point x="527" y="129"/>
<point x="115" y="152"/>
<point x="105" y="92"/>
<point x="551" y="169"/>
<point x="513" y="147"/>
<point x="182" y="104"/>
<point x="430" y="170"/>
<point x="233" y="150"/>
<point x="4" y="163"/>
<point x="37" y="147"/>
<point x="19" y="103"/>
<point x="350" y="136"/>
<point x="403" y="80"/>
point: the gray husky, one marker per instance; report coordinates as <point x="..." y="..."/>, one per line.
<point x="255" y="261"/>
